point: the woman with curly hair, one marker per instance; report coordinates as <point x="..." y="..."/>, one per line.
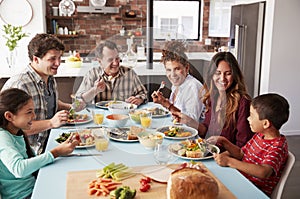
<point x="227" y="102"/>
<point x="177" y="70"/>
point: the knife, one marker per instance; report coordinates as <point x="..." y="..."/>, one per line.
<point x="82" y="154"/>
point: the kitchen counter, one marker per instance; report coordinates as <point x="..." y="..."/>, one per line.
<point x="140" y="69"/>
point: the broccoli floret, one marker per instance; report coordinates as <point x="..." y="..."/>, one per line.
<point x="118" y="192"/>
<point x="123" y="192"/>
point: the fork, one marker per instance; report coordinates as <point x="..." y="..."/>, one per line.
<point x="162" y="85"/>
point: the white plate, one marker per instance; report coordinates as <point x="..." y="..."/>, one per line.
<point x="103" y="103"/>
<point x="187" y="158"/>
<point x="166" y="112"/>
<point x="83" y="121"/>
<point x="184" y="128"/>
<point x="123" y="134"/>
<point x="78" y="147"/>
<point x="158" y="173"/>
<point x="85" y="146"/>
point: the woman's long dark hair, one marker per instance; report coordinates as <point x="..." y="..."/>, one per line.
<point x="234" y="93"/>
<point x="13" y="100"/>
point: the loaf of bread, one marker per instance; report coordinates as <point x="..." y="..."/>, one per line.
<point x="191" y="183"/>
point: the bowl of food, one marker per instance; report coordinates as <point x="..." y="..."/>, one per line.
<point x="117" y="120"/>
<point x="135" y="116"/>
<point x="122" y="108"/>
<point x="74" y="61"/>
<point x="149" y="139"/>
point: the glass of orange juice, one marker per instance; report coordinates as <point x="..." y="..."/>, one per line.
<point x="98" y="118"/>
<point x="146" y="119"/>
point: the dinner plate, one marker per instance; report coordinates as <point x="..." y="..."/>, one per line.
<point x="181" y="128"/>
<point x="85" y="146"/>
<point x="119" y="134"/>
<point x="164" y="114"/>
<point x="103" y="104"/>
<point x="174" y="152"/>
<point x="81" y="121"/>
<point x="67" y="134"/>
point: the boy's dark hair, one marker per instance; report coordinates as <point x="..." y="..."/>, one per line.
<point x="272" y="107"/>
<point x="42" y="43"/>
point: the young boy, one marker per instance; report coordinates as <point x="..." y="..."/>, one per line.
<point x="263" y="158"/>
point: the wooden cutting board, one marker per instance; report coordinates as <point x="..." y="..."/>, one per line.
<point x="78" y="181"/>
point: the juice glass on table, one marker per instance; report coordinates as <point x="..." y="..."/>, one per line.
<point x="146" y="119"/>
<point x="98" y="117"/>
<point x="101" y="139"/>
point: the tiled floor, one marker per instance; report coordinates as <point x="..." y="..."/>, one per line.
<point x="292" y="186"/>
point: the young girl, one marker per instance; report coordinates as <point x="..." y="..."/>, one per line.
<point x="18" y="162"/>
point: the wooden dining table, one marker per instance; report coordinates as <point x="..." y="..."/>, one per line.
<point x="52" y="179"/>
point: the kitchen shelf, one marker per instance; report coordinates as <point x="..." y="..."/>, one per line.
<point x="63" y="17"/>
<point x="130" y="18"/>
<point x="66" y="36"/>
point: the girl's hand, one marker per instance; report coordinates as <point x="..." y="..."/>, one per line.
<point x="66" y="147"/>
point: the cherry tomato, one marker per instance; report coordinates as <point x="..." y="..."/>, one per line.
<point x="146" y="179"/>
<point x="145" y="187"/>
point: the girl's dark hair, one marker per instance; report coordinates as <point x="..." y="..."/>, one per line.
<point x="13" y="100"/>
<point x="272" y="107"/>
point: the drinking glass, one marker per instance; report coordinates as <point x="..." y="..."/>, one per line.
<point x="98" y="117"/>
<point x="101" y="139"/>
<point x="146" y="119"/>
<point x="162" y="155"/>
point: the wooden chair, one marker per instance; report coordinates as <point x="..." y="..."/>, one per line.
<point x="277" y="192"/>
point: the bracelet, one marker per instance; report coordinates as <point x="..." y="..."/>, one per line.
<point x="170" y="106"/>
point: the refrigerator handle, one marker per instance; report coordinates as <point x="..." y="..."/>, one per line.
<point x="240" y="41"/>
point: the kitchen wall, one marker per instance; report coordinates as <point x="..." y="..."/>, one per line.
<point x="280" y="57"/>
<point x="36" y="25"/>
<point x="96" y="27"/>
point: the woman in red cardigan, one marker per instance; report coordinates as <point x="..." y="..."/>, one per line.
<point x="227" y="102"/>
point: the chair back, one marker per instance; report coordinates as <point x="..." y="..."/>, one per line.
<point x="277" y="192"/>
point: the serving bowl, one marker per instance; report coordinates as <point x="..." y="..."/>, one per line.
<point x="135" y="116"/>
<point x="74" y="64"/>
<point x="121" y="108"/>
<point x="117" y="120"/>
<point x="149" y="139"/>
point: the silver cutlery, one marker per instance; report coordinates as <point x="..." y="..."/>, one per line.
<point x="162" y="85"/>
<point x="82" y="154"/>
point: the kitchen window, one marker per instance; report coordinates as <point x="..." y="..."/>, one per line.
<point x="176" y="19"/>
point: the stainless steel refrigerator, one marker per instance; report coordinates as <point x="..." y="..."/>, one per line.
<point x="246" y="38"/>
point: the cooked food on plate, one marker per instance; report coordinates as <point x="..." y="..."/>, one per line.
<point x="84" y="137"/>
<point x="176" y="131"/>
<point x="191" y="148"/>
<point x="74" y="117"/>
<point x="190" y="182"/>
